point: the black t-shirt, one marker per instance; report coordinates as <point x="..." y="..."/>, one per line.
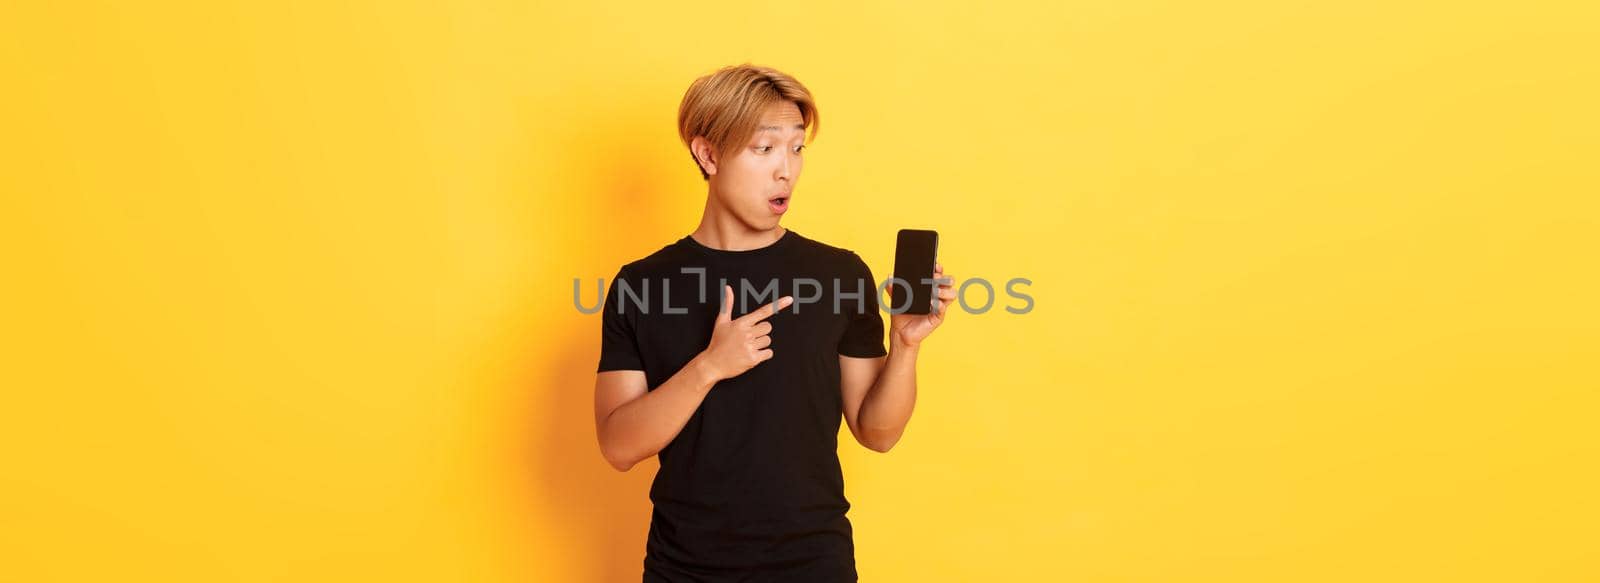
<point x="751" y="485"/>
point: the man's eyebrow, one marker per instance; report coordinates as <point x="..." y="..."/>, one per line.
<point x="798" y="126"/>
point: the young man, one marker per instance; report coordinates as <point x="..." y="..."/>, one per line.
<point x="740" y="398"/>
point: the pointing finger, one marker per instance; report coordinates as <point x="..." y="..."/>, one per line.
<point x="767" y="310"/>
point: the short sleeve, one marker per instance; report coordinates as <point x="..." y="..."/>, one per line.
<point x="619" y="346"/>
<point x="863" y="336"/>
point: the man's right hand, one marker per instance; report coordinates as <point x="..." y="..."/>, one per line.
<point x="739" y="345"/>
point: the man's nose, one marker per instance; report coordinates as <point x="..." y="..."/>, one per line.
<point x="783" y="168"/>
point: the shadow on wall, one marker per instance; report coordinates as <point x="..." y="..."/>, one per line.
<point x="601" y="515"/>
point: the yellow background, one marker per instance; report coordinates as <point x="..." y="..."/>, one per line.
<point x="288" y="285"/>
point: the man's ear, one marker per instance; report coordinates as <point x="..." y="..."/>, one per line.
<point x="704" y="154"/>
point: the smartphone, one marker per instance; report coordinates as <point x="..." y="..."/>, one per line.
<point x="915" y="251"/>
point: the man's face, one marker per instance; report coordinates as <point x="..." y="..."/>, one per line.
<point x="756" y="181"/>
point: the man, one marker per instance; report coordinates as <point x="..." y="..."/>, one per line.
<point x="742" y="405"/>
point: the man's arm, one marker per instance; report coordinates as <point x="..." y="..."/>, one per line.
<point x="633" y="422"/>
<point x="880" y="393"/>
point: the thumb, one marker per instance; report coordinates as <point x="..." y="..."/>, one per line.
<point x="725" y="313"/>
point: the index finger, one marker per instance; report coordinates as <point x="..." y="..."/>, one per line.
<point x="766" y="311"/>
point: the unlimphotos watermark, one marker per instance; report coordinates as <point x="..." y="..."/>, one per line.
<point x="639" y="293"/>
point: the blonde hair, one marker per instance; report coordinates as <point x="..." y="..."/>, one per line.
<point x="725" y="107"/>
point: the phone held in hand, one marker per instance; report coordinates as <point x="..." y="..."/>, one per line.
<point x="915" y="251"/>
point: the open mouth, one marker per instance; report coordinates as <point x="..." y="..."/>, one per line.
<point x="779" y="203"/>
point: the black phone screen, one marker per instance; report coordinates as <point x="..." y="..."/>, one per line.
<point x="914" y="254"/>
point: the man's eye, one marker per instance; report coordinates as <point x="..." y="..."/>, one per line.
<point x="798" y="148"/>
<point x="763" y="149"/>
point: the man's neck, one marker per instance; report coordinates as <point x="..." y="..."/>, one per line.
<point x="720" y="230"/>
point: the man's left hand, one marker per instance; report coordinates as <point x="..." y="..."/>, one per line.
<point x="908" y="330"/>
